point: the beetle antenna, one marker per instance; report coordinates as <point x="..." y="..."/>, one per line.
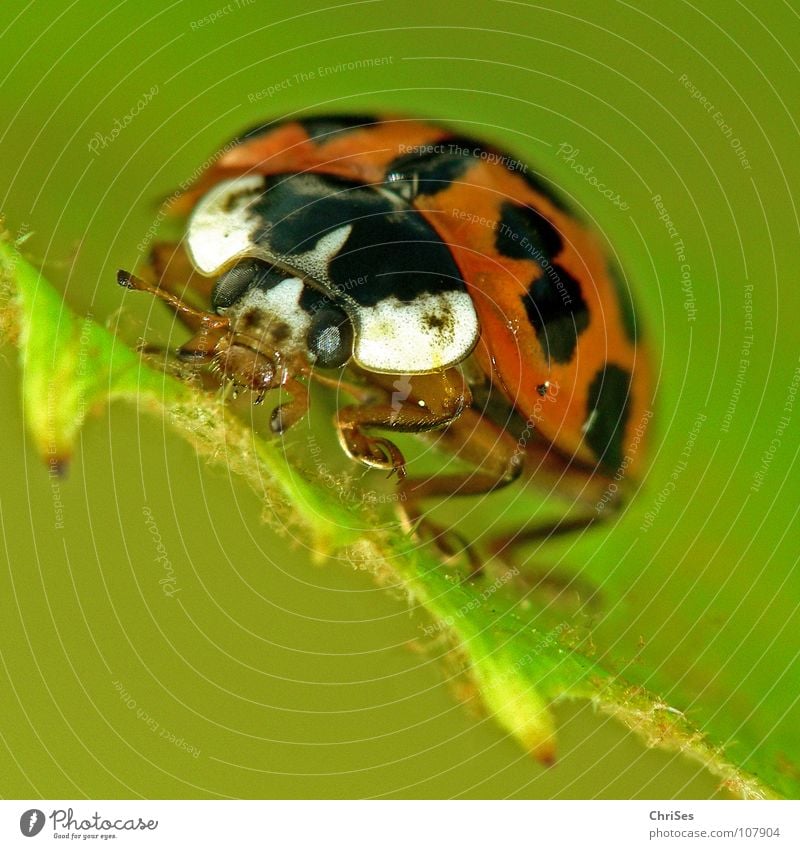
<point x="206" y="319"/>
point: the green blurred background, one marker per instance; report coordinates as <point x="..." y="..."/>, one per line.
<point x="268" y="675"/>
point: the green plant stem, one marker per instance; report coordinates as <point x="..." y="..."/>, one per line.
<point x="71" y="367"/>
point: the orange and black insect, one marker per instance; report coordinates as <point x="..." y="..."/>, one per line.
<point x="361" y="250"/>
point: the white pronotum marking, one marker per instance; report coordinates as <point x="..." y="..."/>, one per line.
<point x="221" y="225"/>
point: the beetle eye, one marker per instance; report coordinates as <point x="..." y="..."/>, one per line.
<point x="330" y="338"/>
<point x="233" y="284"/>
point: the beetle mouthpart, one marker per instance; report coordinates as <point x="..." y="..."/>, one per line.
<point x="248" y="368"/>
<point x="203" y="347"/>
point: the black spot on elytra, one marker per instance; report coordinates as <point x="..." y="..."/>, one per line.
<point x="557" y="312"/>
<point x="543" y="187"/>
<point x="524" y="233"/>
<point x="629" y="323"/>
<point x="607" y="412"/>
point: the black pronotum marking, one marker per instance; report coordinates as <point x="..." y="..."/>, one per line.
<point x="557" y="312"/>
<point x="607" y="411"/>
<point x="391" y="250"/>
<point x="524" y="233"/>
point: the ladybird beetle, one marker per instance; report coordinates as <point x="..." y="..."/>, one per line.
<point x="437" y="280"/>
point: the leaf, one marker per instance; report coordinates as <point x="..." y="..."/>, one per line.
<point x="72" y="367"/>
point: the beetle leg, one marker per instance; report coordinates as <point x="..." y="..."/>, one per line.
<point x="375" y="451"/>
<point x="565" y="590"/>
<point x="494" y="454"/>
<point x="403" y="411"/>
<point x="362" y="394"/>
<point x="503" y="545"/>
<point x="497" y="462"/>
<point x="289" y="412"/>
